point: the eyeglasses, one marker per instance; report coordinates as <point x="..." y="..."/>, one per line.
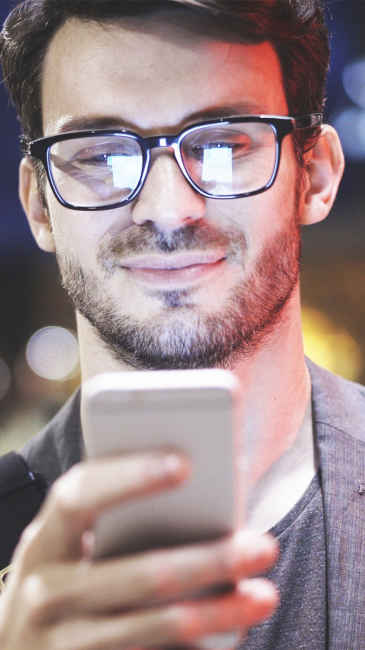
<point x="226" y="158"/>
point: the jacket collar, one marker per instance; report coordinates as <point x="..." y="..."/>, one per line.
<point x="339" y="423"/>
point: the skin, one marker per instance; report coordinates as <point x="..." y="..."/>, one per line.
<point x="51" y="583"/>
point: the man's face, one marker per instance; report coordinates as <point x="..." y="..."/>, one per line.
<point x="156" y="77"/>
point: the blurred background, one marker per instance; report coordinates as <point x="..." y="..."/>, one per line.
<point x="38" y="347"/>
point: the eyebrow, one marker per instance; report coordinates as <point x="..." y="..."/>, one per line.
<point x="228" y="110"/>
<point x="91" y="123"/>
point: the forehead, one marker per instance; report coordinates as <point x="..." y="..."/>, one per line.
<point x="154" y="73"/>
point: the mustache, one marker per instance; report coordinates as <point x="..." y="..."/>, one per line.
<point x="149" y="239"/>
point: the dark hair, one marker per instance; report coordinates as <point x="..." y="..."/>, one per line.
<point x="295" y="28"/>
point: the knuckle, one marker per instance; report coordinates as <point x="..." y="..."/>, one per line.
<point x="168" y="576"/>
<point x="225" y="559"/>
<point x="163" y="576"/>
<point x="29" y="535"/>
<point x="178" y="621"/>
<point x="221" y="561"/>
<point x="36" y="598"/>
<point x="151" y="580"/>
<point x="161" y="626"/>
<point x="159" y="574"/>
<point x="45" y="595"/>
<point x="65" y="493"/>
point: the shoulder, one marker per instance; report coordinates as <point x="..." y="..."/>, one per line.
<point x="21" y="495"/>
<point x="25" y="476"/>
<point x="59" y="445"/>
<point x="337" y="402"/>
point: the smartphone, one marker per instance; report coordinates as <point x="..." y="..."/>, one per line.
<point x="192" y="410"/>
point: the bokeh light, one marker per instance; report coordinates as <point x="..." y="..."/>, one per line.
<point x="350" y="124"/>
<point x="331" y="346"/>
<point x="353" y="79"/>
<point x="52" y="353"/>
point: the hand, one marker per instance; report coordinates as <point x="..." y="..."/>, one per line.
<point x="56" y="598"/>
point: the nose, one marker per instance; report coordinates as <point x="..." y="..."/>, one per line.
<point x="167" y="199"/>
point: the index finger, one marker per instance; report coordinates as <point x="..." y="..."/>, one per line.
<point x="81" y="495"/>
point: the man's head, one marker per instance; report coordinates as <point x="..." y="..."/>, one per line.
<point x="175" y="278"/>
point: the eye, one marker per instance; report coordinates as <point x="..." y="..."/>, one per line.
<point x="103" y="154"/>
<point x="92" y="159"/>
<point x="238" y="143"/>
<point x="96" y="156"/>
<point x="237" y="148"/>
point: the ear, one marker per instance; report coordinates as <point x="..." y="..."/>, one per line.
<point x="33" y="206"/>
<point x="324" y="166"/>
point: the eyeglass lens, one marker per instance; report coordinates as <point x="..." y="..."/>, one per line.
<point x="96" y="170"/>
<point x="222" y="160"/>
<point x="228" y="159"/>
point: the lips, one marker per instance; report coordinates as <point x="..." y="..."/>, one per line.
<point x="173" y="270"/>
<point x="173" y="262"/>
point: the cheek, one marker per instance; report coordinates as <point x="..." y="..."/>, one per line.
<point x="79" y="233"/>
<point x="256" y="218"/>
<point x="263" y="217"/>
<point x="68" y="230"/>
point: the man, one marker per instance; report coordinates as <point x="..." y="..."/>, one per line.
<point x="162" y="169"/>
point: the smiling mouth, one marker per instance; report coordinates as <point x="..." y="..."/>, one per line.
<point x="172" y="262"/>
<point x="184" y="268"/>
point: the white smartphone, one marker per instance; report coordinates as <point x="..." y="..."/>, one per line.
<point x="192" y="410"/>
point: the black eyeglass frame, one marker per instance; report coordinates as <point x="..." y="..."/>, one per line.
<point x="281" y="125"/>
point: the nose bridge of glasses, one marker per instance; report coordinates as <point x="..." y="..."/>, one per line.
<point x="161" y="142"/>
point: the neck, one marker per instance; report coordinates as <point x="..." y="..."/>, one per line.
<point x="276" y="436"/>
<point x="275" y="394"/>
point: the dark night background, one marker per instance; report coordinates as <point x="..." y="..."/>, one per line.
<point x="333" y="260"/>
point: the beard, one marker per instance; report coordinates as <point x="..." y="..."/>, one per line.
<point x="181" y="336"/>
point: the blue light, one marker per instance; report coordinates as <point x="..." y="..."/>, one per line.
<point x="353" y="78"/>
<point x="350" y="124"/>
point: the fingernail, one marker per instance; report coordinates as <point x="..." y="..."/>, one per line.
<point x="255" y="545"/>
<point x="259" y="589"/>
<point x="175" y="465"/>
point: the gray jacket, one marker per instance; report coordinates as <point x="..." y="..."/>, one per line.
<point x="339" y="425"/>
<point x="339" y="421"/>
